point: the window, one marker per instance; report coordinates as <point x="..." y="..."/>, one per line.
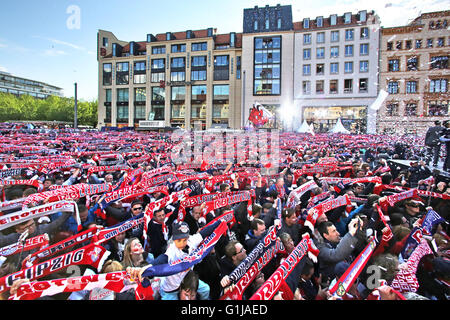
<point x="220" y="61"/>
<point x="438" y="108"/>
<point x="139" y="98"/>
<point x="347" y="17"/>
<point x="159" y="50"/>
<point x="392" y="109"/>
<point x="389" y="46"/>
<point x="334" y="36"/>
<point x="107" y="74"/>
<point x="267" y="24"/>
<point x="158" y="94"/>
<point x="411" y="86"/>
<point x="319" y="86"/>
<point x="199" y="75"/>
<point x="122" y="76"/>
<point x="139" y="78"/>
<point x="412" y="64"/>
<point x="418" y="43"/>
<point x="122" y="95"/>
<point x="238" y="67"/>
<point x="306" y="23"/>
<point x="320" y="53"/>
<point x="411" y="109"/>
<point x="319" y="22"/>
<point x="430" y="43"/>
<point x="364" y="33"/>
<point x="176" y="76"/>
<point x="364" y="66"/>
<point x="221" y="92"/>
<point x="177" y="62"/>
<point x="348" y="67"/>
<point x="178" y="48"/>
<point x="306" y="69"/>
<point x="408" y="44"/>
<point x="333" y="86"/>
<point x="198" y="61"/>
<point x="334" y="68"/>
<point x="158" y="64"/>
<point x="105" y="42"/>
<point x="221" y="67"/>
<point x="158" y="77"/>
<point x="334" y="52"/>
<point x="349" y="34"/>
<point x="363" y="49"/>
<point x="438" y="85"/>
<point x="320" y="69"/>
<point x="267" y="66"/>
<point x="320" y="38"/>
<point x="399" y="45"/>
<point x="178" y="93"/>
<point x="279" y="23"/>
<point x="393" y="87"/>
<point x="122" y="113"/>
<point x="307" y="38"/>
<point x="139" y="66"/>
<point x="198" y="92"/>
<point x="394" y="65"/>
<point x="333" y="20"/>
<point x="306" y="54"/>
<point x="200" y="46"/>
<point x="108" y="95"/>
<point x="348" y="85"/>
<point x="349" y="50"/>
<point x="440" y="42"/>
<point x="363" y="85"/>
<point x="439" y="62"/>
<point x="255" y="25"/>
<point x="306" y="87"/>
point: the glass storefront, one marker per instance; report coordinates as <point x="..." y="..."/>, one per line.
<point x="354" y="118"/>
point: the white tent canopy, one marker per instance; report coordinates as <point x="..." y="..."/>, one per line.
<point x="339" y="128"/>
<point x="304" y="128"/>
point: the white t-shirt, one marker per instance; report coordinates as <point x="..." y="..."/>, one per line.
<point x="173" y="282"/>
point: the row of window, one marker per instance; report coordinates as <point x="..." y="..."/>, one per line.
<point x="177" y="65"/>
<point x="435" y="86"/>
<point x="333" y="86"/>
<point x="433" y="108"/>
<point x="334" y="68"/>
<point x="334" y="19"/>
<point x="198" y="92"/>
<point x="334" y="51"/>
<point x="418" y="44"/>
<point x="335" y="35"/>
<point x="412" y="63"/>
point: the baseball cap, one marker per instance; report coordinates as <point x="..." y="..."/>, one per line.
<point x="180" y="230"/>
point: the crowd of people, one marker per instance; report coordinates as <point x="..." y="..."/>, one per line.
<point x="114" y="211"/>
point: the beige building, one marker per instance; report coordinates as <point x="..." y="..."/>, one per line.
<point x="415" y="74"/>
<point x="170" y="80"/>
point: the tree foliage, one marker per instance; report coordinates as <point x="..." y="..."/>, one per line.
<point x="28" y="108"/>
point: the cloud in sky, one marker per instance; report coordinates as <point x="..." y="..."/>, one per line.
<point x="3" y="69"/>
<point x="54" y="53"/>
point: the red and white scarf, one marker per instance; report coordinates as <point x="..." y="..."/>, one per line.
<point x="39" y="241"/>
<point x="315" y="212"/>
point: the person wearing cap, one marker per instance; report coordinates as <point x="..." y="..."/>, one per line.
<point x="418" y="171"/>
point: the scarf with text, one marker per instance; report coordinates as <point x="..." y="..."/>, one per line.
<point x="315" y="212"/>
<point x="39" y="241"/>
<point x="406" y="280"/>
<point x="92" y="255"/>
<point x="391" y="200"/>
<point x="295" y="195"/>
<point x="270" y="287"/>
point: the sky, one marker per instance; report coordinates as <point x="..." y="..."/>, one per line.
<point x="55" y="41"/>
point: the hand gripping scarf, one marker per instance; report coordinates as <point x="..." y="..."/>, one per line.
<point x="270" y="287"/>
<point x="315" y="212"/>
<point x="91" y="254"/>
<point x="233" y="198"/>
<point x="18" y="217"/>
<point x="205" y="247"/>
<point x="390" y="201"/>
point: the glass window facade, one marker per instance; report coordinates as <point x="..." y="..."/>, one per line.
<point x="267" y="66"/>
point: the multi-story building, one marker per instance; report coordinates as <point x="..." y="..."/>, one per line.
<point x="336" y="65"/>
<point x="415" y="74"/>
<point x="267" y="62"/>
<point x="176" y="79"/>
<point x="20" y="86"/>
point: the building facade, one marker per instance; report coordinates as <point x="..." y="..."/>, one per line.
<point x="415" y="74"/>
<point x="20" y="86"/>
<point x="183" y="79"/>
<point x="336" y="71"/>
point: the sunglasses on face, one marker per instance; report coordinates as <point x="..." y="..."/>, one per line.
<point x="137" y="208"/>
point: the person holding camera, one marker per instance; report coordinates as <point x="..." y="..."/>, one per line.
<point x="335" y="249"/>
